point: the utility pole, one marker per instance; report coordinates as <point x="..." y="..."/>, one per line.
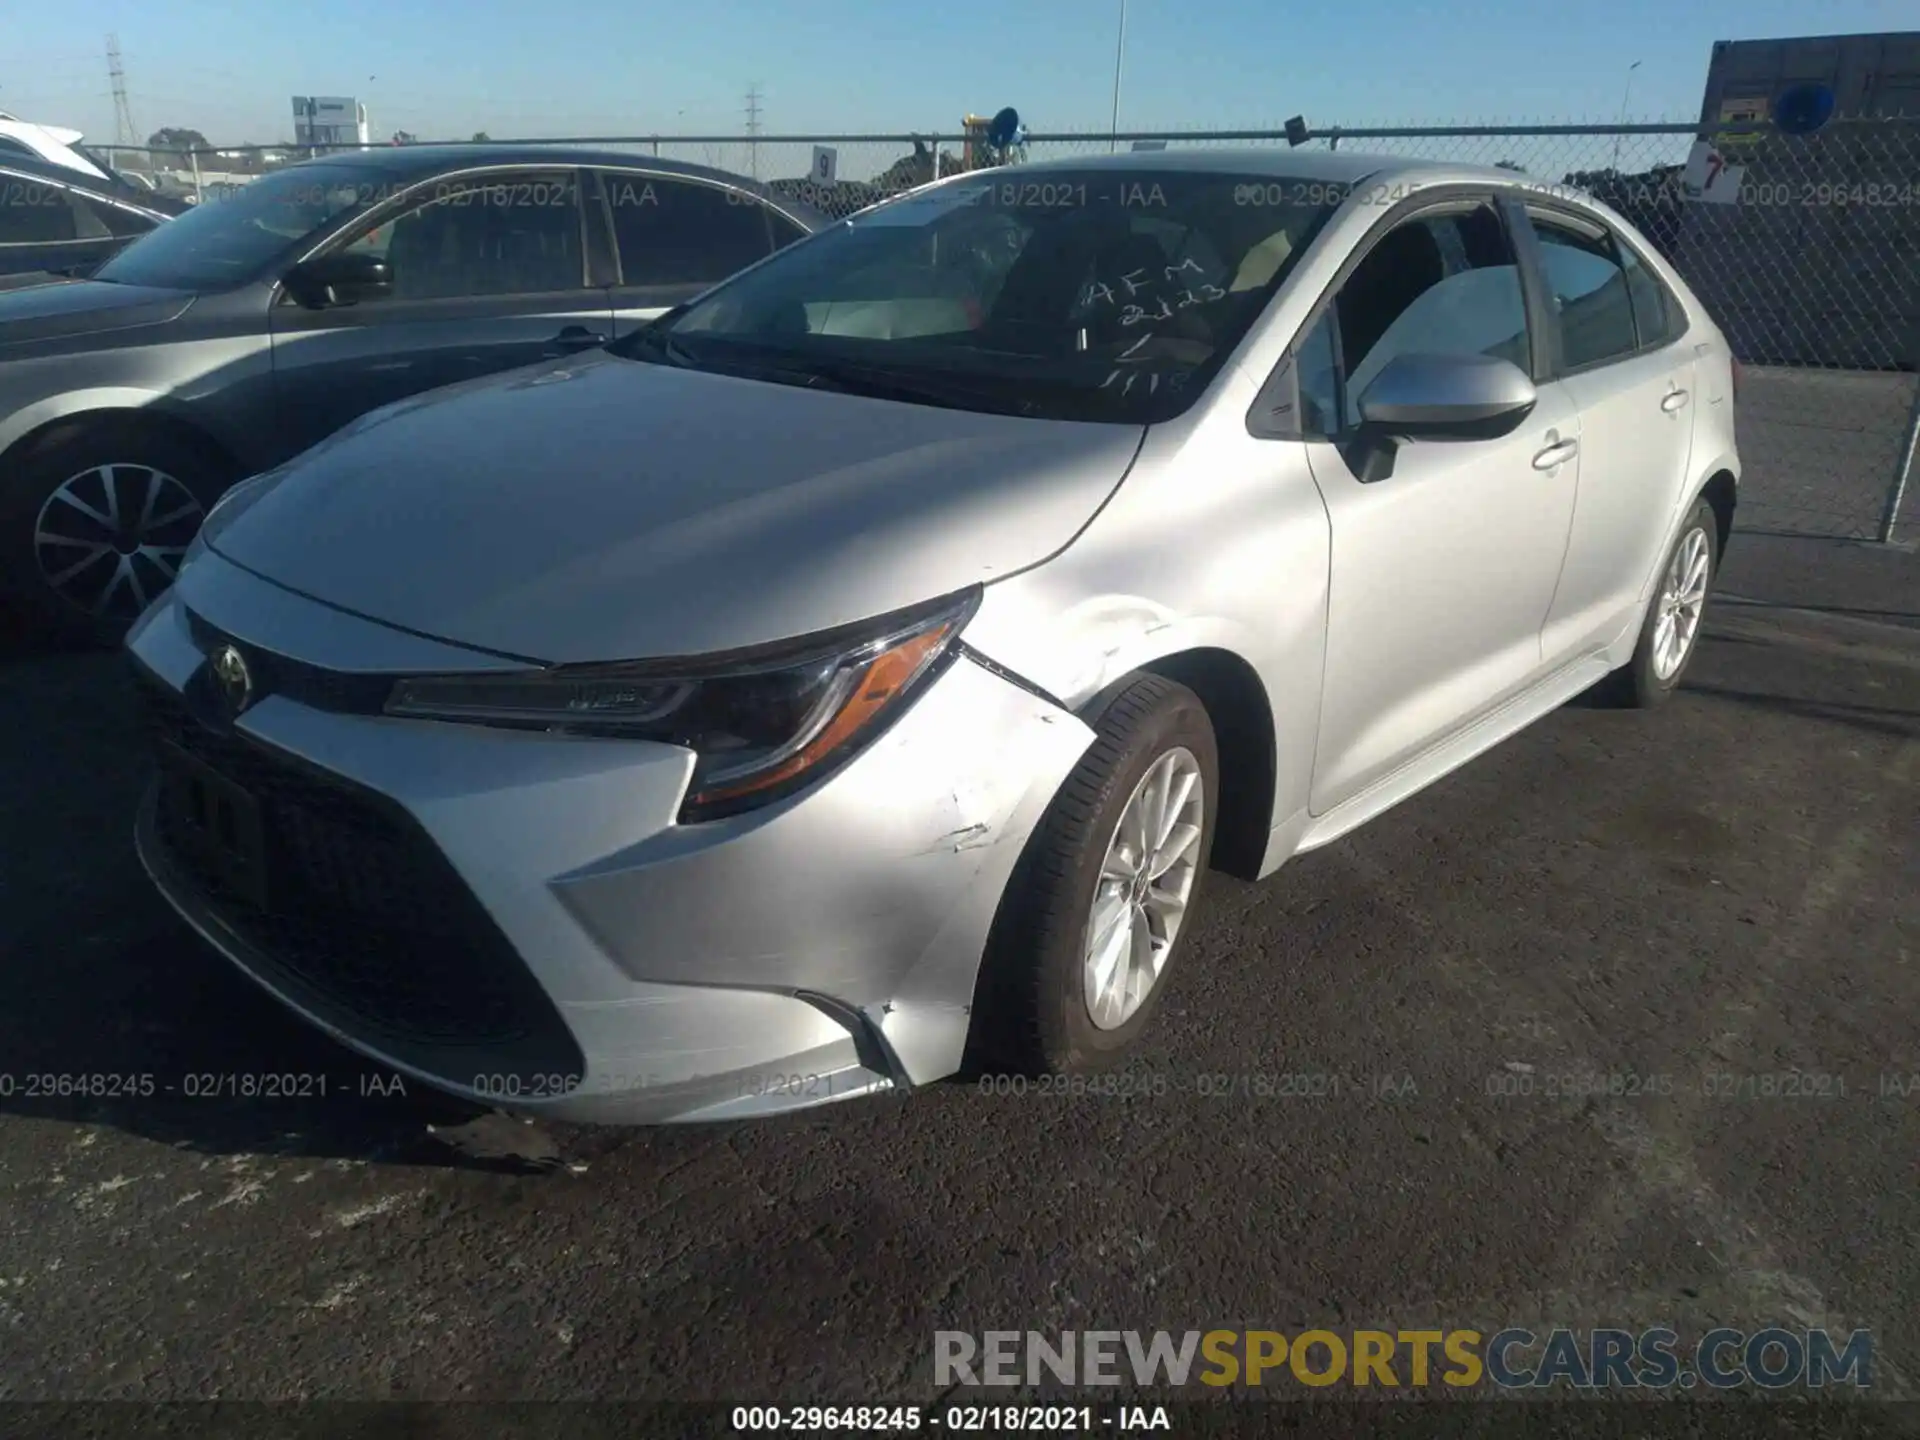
<point x="124" y="132"/>
<point x="753" y="130"/>
<point x="1625" y="93"/>
<point x="1119" y="53"/>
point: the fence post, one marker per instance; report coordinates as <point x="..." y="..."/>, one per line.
<point x="1902" y="467"/>
<point x="193" y="159"/>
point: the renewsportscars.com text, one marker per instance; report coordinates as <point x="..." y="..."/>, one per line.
<point x="1604" y="1359"/>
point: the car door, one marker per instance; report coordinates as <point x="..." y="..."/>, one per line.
<point x="54" y="227"/>
<point x="1631" y="374"/>
<point x="676" y="235"/>
<point x="1442" y="571"/>
<point x="490" y="271"/>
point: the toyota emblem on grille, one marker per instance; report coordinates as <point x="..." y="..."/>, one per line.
<point x="234" y="679"/>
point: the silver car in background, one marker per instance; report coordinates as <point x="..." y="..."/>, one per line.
<point x="850" y="678"/>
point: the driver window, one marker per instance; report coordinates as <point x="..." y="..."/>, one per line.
<point x="516" y="233"/>
<point x="1441" y="284"/>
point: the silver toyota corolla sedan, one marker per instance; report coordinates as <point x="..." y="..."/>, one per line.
<point x="850" y="678"/>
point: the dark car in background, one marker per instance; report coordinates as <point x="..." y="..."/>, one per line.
<point x="235" y="336"/>
<point x="56" y="222"/>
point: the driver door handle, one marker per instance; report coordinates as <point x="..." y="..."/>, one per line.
<point x="1556" y="455"/>
<point x="1675" y="399"/>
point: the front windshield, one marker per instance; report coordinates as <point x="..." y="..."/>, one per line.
<point x="225" y="242"/>
<point x="1088" y="294"/>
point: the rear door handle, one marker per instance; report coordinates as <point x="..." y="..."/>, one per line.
<point x="1675" y="399"/>
<point x="1556" y="455"/>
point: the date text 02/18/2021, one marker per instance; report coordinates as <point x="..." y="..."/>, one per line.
<point x="956" y="1419"/>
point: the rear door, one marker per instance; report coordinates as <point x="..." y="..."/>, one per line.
<point x="490" y="272"/>
<point x="1621" y="354"/>
<point x="675" y="236"/>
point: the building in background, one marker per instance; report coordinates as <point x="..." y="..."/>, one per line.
<point x="328" y="122"/>
<point x="1813" y="256"/>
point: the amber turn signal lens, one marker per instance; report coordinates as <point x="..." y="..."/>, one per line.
<point x="879" y="684"/>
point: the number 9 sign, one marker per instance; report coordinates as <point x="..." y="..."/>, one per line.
<point x="826" y="164"/>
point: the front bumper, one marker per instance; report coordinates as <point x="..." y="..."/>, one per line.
<point x="516" y="918"/>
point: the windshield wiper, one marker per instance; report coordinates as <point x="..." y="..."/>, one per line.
<point x="781" y="366"/>
<point x="652" y="342"/>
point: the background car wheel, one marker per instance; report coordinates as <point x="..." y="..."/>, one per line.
<point x="94" y="523"/>
<point x="1103" y="897"/>
<point x="1671" y="631"/>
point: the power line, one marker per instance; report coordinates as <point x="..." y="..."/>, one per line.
<point x="124" y="131"/>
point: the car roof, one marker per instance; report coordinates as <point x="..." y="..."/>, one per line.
<point x="1339" y="167"/>
<point x="407" y="163"/>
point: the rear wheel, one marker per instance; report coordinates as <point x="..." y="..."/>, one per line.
<point x="94" y="524"/>
<point x="1098" y="908"/>
<point x="1671" y="630"/>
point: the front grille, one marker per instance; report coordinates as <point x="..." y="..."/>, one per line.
<point x="360" y="908"/>
<point x="312" y="685"/>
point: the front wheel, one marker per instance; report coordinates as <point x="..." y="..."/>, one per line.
<point x="94" y="524"/>
<point x="1101" y="901"/>
<point x="1671" y="631"/>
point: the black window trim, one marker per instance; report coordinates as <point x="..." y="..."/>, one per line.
<point x="342" y="232"/>
<point x="1280" y="393"/>
<point x="1574" y="215"/>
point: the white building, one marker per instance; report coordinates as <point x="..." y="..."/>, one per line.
<point x="321" y="120"/>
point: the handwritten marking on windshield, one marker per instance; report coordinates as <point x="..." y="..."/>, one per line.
<point x="1137" y="314"/>
<point x="1099" y="292"/>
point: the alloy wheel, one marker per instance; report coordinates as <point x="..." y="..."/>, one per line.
<point x="1146" y="878"/>
<point x="111" y="538"/>
<point x="1683" y="596"/>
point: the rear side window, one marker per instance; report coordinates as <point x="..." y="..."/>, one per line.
<point x="121" y="221"/>
<point x="785" y="232"/>
<point x="680" y="232"/>
<point x="1588" y="283"/>
<point x="34" y="212"/>
<point x="1656" y="315"/>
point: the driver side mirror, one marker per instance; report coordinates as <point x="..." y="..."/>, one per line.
<point x="1438" y="397"/>
<point x="342" y="278"/>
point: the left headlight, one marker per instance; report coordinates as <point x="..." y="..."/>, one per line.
<point x="763" y="723"/>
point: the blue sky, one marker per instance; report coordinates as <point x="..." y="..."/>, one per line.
<point x="638" y="67"/>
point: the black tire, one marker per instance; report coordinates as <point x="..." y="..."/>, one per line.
<point x="1031" y="1014"/>
<point x="1638" y="684"/>
<point x="30" y="478"/>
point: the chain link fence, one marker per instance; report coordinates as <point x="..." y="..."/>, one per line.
<point x="1806" y="250"/>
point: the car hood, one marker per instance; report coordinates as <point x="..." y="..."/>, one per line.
<point x="70" y="308"/>
<point x="610" y="509"/>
